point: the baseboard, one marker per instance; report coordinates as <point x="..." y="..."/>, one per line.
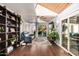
<point x="65" y="49"/>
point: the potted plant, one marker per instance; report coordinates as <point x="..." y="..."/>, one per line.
<point x="53" y="36"/>
<point x="13" y="40"/>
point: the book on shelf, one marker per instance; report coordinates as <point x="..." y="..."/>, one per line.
<point x="0" y="12"/>
<point x="10" y="17"/>
<point x="9" y="23"/>
<point x="2" y="29"/>
<point x="10" y="29"/>
<point x="0" y="39"/>
<point x="10" y="49"/>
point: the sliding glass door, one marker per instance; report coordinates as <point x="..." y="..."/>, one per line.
<point x="70" y="34"/>
<point x="74" y="34"/>
<point x="65" y="33"/>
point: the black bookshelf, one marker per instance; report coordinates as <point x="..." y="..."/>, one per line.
<point x="9" y="30"/>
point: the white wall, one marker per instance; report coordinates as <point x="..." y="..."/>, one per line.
<point x="28" y="27"/>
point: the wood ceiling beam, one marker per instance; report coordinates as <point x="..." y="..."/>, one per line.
<point x="55" y="7"/>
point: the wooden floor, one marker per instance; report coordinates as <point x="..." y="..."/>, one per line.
<point x="39" y="47"/>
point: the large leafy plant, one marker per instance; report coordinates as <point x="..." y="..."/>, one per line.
<point x="53" y="35"/>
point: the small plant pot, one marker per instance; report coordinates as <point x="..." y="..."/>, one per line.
<point x="51" y="40"/>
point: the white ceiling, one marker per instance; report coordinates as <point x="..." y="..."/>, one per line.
<point x="26" y="10"/>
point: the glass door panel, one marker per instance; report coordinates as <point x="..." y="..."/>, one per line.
<point x="65" y="33"/>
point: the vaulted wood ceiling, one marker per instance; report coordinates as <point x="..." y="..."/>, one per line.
<point x="56" y="7"/>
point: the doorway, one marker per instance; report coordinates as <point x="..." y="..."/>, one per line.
<point x="42" y="30"/>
